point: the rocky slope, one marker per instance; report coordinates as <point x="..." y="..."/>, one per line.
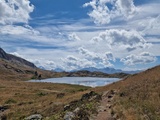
<point x="15" y="59"/>
<point x="16" y="68"/>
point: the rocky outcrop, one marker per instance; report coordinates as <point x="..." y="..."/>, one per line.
<point x="83" y="108"/>
<point x="15" y="59"/>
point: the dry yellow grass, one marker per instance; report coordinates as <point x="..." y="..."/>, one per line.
<point x="138" y="96"/>
<point x="24" y="98"/>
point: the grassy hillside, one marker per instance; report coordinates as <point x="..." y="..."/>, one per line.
<point x="17" y="71"/>
<point x="137" y="97"/>
<point x="19" y="99"/>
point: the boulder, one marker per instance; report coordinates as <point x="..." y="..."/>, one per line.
<point x="34" y="117"/>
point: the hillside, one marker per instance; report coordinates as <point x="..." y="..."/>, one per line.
<point x="15" y="59"/>
<point x="16" y="68"/>
<point x="137" y="97"/>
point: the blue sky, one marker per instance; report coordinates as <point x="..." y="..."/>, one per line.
<point x="74" y="34"/>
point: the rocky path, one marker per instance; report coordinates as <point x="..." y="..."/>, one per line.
<point x="105" y="108"/>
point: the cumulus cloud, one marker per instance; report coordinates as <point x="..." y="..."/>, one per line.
<point x="106" y="10"/>
<point x="15" y="11"/>
<point x="73" y="63"/>
<point x="122" y="39"/>
<point x="142" y="58"/>
<point x="152" y="26"/>
<point x="126" y="7"/>
<point x="101" y="60"/>
<point x="73" y="37"/>
<point x="110" y="56"/>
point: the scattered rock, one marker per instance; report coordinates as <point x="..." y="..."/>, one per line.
<point x="76" y="110"/>
<point x="34" y="117"/>
<point x="91" y="95"/>
<point x="69" y="116"/>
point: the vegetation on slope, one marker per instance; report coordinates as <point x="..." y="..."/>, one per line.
<point x="138" y="96"/>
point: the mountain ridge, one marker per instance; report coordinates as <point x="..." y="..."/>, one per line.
<point x="15" y="59"/>
<point x="107" y="70"/>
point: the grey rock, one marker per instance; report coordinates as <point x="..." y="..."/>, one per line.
<point x="69" y="116"/>
<point x="76" y="110"/>
<point x="34" y="117"/>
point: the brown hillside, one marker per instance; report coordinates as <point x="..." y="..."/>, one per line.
<point x="13" y="71"/>
<point x="137" y="97"/>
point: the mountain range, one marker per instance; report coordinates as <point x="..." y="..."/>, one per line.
<point x="107" y="70"/>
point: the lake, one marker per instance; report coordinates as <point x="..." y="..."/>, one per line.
<point x="86" y="81"/>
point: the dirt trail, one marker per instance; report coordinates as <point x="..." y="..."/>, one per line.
<point x="104" y="111"/>
<point x="47" y="90"/>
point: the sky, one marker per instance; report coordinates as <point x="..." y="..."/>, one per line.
<point x="76" y="34"/>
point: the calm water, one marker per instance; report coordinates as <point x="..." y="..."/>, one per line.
<point x="86" y="81"/>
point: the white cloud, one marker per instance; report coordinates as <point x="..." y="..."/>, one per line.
<point x="72" y="63"/>
<point x="73" y="37"/>
<point x="126" y="8"/>
<point x="17" y="54"/>
<point x="101" y="60"/>
<point x="142" y="58"/>
<point x="18" y="30"/>
<point x="110" y="56"/>
<point x="100" y="13"/>
<point x="121" y="39"/>
<point x="106" y="10"/>
<point x="15" y="11"/>
<point x="152" y="26"/>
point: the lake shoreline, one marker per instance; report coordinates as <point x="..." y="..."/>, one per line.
<point x="85" y="81"/>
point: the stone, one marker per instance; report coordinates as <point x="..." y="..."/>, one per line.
<point x="76" y="110"/>
<point x="34" y="117"/>
<point x="69" y="116"/>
